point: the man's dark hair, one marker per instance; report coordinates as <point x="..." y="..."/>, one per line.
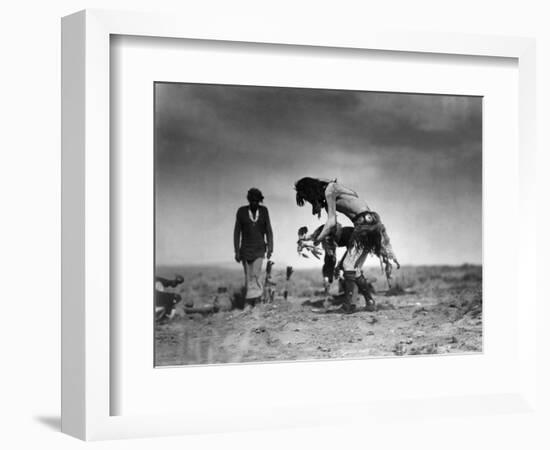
<point x="311" y="190"/>
<point x="254" y="194"/>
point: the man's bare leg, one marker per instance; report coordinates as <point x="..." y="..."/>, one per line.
<point x="349" y="287"/>
<point x="364" y="286"/>
<point x="353" y="257"/>
<point x="366" y="290"/>
<point x="326" y="289"/>
<point x="352" y="263"/>
<point x="254" y="287"/>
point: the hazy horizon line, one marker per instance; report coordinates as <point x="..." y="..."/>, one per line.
<point x="237" y="266"/>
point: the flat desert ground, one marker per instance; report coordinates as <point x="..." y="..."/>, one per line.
<point x="430" y="310"/>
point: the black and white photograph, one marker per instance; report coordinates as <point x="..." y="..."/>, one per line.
<point x="296" y="224"/>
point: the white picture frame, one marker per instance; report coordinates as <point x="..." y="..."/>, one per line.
<point x="86" y="246"/>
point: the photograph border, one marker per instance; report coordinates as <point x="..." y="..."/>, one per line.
<point x="86" y="249"/>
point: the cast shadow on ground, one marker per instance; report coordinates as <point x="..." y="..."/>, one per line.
<point x="51" y="422"/>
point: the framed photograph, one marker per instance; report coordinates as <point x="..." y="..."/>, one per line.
<point x="224" y="295"/>
<point x="266" y="228"/>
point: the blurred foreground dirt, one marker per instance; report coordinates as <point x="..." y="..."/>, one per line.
<point x="434" y="310"/>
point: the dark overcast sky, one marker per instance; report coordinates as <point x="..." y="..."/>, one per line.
<point x="415" y="159"/>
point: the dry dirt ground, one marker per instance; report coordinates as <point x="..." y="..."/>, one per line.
<point x="431" y="310"/>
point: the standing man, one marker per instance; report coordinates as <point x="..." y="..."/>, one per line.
<point x="252" y="238"/>
<point x="369" y="233"/>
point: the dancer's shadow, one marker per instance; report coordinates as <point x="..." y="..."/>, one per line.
<point x="334" y="300"/>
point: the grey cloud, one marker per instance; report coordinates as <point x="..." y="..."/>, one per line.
<point x="404" y="152"/>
